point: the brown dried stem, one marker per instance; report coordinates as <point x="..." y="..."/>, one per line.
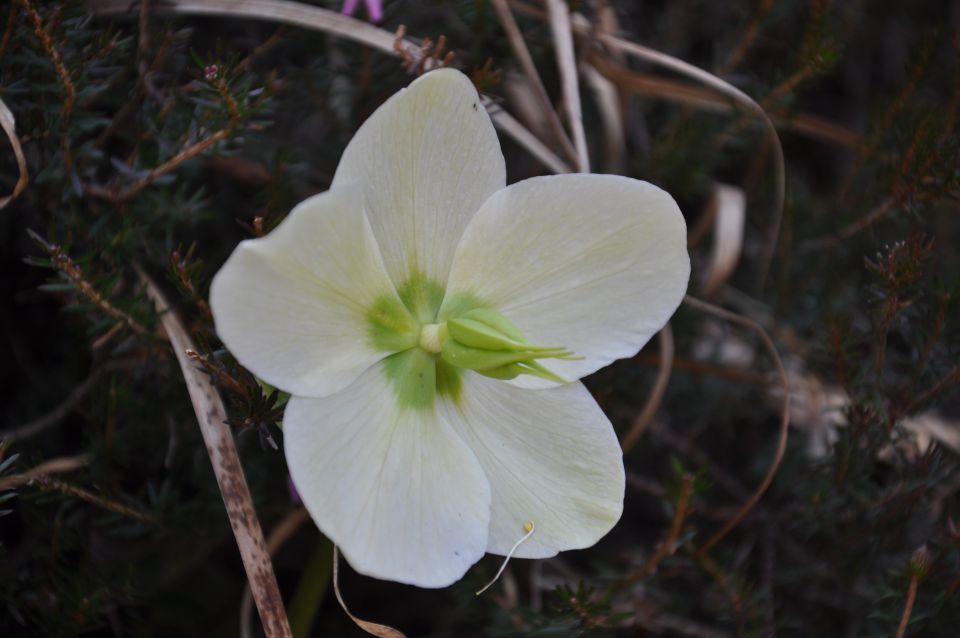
<point x="212" y="416"/>
<point x="749" y="35"/>
<point x="918" y="568"/>
<point x="640" y="424"/>
<point x="372" y="628"/>
<point x="424" y="58"/>
<point x="708" y="369"/>
<point x="781" y="449"/>
<point x="669" y="544"/>
<point x="801" y="75"/>
<point x="53" y="466"/>
<point x="683" y="93"/>
<point x="46" y="482"/>
<point x="263" y="48"/>
<point x="171" y="164"/>
<point x="908" y="606"/>
<point x="876" y="214"/>
<point x="519" y="46"/>
<point x="8" y="124"/>
<point x="278" y="537"/>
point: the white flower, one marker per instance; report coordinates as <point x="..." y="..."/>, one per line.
<point x="399" y="308"/>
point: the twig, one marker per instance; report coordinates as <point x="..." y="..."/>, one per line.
<point x="908" y="605"/>
<point x="561" y="28"/>
<point x="46" y="482"/>
<point x="520" y="50"/>
<point x="639" y="425"/>
<point x="47" y="42"/>
<point x="278" y="537"/>
<point x="262" y="49"/>
<point x="707" y="369"/>
<point x="172" y="163"/>
<point x="950" y="378"/>
<point x="62" y="261"/>
<point x="668" y="545"/>
<point x="749" y="35"/>
<point x="784" y="419"/>
<point x="211" y="416"/>
<point x="918" y="568"/>
<point x="875" y="215"/>
<point x="56" y="415"/>
<point x="801" y="75"/>
<point x="53" y="466"/>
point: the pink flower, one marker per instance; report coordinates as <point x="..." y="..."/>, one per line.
<point x="374" y="9"/>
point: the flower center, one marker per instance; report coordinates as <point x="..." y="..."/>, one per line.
<point x="434" y="340"/>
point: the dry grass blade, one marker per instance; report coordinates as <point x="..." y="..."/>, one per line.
<point x="372" y="628"/>
<point x="310" y="17"/>
<point x="608" y="103"/>
<point x="562" y="31"/>
<point x="212" y="416"/>
<point x="640" y="424"/>
<point x="506" y="123"/>
<point x="9" y="127"/>
<point x="53" y="466"/>
<point x="781" y="449"/>
<point x="520" y="50"/>
<point x="729" y="217"/>
<point x="708" y="100"/>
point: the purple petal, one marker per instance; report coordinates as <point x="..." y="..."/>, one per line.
<point x="374" y="10"/>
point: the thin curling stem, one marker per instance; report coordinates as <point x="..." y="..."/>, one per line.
<point x="528" y="528"/>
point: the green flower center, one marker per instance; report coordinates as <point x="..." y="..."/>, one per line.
<point x="431" y="350"/>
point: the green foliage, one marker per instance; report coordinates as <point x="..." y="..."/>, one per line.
<point x="161" y="149"/>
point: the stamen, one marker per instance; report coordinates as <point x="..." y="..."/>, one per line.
<point x="528" y="527"/>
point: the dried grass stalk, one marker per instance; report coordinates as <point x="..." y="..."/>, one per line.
<point x="9" y="127"/>
<point x="212" y="416"/>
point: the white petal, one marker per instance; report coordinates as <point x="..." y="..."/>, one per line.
<point x="596" y="264"/>
<point x="551" y="457"/>
<point x="290" y="306"/>
<point x="397" y="490"/>
<point x="426" y="159"/>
